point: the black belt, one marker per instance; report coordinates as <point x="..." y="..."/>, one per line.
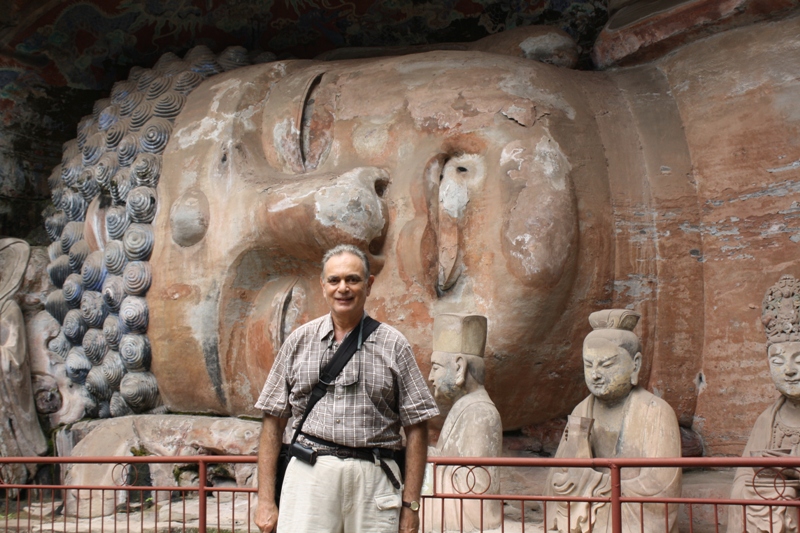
<point x="376" y="455"/>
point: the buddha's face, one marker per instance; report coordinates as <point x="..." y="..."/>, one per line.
<point x="442" y="166"/>
<point x="784" y="368"/>
<point x="609" y="369"/>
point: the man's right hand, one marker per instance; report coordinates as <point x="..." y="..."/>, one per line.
<point x="269" y="447"/>
<point x="266" y="516"/>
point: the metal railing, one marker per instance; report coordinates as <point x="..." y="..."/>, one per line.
<point x="203" y="506"/>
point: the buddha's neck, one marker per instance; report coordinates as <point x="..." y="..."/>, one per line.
<point x="608" y="419"/>
<point x="790" y="412"/>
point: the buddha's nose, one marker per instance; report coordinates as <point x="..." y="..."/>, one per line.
<point x="310" y="216"/>
<point x="353" y="209"/>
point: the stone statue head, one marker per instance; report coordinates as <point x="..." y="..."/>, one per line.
<point x="780" y="314"/>
<point x="457" y="366"/>
<point x="612" y="355"/>
<point x="450" y="170"/>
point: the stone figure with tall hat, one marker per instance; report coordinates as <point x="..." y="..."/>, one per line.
<point x="618" y="419"/>
<point x="777" y="430"/>
<point x="20" y="432"/>
<point x="472" y="428"/>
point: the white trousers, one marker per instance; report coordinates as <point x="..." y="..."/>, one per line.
<point x="339" y="496"/>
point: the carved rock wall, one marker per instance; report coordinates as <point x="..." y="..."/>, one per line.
<point x="737" y="94"/>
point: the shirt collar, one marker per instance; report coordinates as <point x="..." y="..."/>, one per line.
<point x="326" y="329"/>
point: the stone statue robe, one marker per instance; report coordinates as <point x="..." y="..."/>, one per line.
<point x="471" y="429"/>
<point x="20" y="432"/>
<point x="767" y="434"/>
<point x="649" y="429"/>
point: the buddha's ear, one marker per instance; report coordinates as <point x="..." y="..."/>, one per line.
<point x="461" y="370"/>
<point x="637" y="366"/>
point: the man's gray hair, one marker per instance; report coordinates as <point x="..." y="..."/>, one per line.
<point x="346" y="249"/>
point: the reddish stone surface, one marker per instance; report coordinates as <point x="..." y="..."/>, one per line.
<point x="642" y="31"/>
<point x="684" y="178"/>
<point x="737" y="94"/>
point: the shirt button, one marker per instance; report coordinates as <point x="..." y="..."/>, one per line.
<point x="339" y="397"/>
<point x="337" y="420"/>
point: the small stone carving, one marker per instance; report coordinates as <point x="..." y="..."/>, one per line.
<point x="138" y="242"/>
<point x="57" y="305"/>
<point x="73" y="232"/>
<point x="73" y="204"/>
<point x="78" y="253"/>
<point x="134" y="314"/>
<point x="155" y="132"/>
<point x="20" y="433"/>
<point x="134" y="350"/>
<point x="73" y="290"/>
<point x="59" y="269"/>
<point x="87" y="186"/>
<point x="618" y="419"/>
<point x="472" y="427"/>
<point x="113" y="292"/>
<point x="113" y="330"/>
<point x="122" y="182"/>
<point x="60" y="346"/>
<point x="93" y="310"/>
<point x="93" y="272"/>
<point x="112" y="368"/>
<point x="74" y="326"/>
<point x="137" y="278"/>
<point x="139" y="390"/>
<point x="94" y="345"/>
<point x="146" y="170"/>
<point x="141" y="205"/>
<point x="777" y="430"/>
<point x="114" y="256"/>
<point x="78" y="365"/>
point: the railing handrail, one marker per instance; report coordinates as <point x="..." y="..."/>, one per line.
<point x="621" y="462"/>
<point x="614" y="465"/>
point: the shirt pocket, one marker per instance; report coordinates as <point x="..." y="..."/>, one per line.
<point x="350" y="373"/>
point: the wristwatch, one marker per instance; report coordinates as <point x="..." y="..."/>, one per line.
<point x="414" y="506"/>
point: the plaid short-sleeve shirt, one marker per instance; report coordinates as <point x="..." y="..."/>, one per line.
<point x="380" y="389"/>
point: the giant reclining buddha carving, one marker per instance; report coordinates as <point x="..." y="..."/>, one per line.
<point x="478" y="182"/>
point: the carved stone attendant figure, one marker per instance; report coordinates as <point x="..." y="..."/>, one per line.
<point x="20" y="433"/>
<point x="777" y="430"/>
<point x="472" y="427"/>
<point x="618" y="419"/>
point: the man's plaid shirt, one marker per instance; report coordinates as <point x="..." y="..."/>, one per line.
<point x="380" y="389"/>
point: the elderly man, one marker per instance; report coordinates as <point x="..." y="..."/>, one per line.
<point x="618" y="419"/>
<point x="379" y="391"/>
<point x="472" y="429"/>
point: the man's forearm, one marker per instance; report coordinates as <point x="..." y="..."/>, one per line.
<point x="269" y="446"/>
<point x="416" y="457"/>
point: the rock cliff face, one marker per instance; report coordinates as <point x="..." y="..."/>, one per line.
<point x="479" y="183"/>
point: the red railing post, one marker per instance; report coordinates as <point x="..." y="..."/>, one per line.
<point x="616" y="505"/>
<point x="201" y="492"/>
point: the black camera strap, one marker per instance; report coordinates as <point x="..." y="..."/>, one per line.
<point x="349" y="346"/>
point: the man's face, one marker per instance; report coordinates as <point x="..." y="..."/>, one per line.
<point x="784" y="368"/>
<point x="443" y="377"/>
<point x="344" y="285"/>
<point x="608" y="368"/>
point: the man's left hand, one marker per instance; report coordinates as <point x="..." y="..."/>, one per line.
<point x="409" y="521"/>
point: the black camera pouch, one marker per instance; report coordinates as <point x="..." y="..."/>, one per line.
<point x="303" y="453"/>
